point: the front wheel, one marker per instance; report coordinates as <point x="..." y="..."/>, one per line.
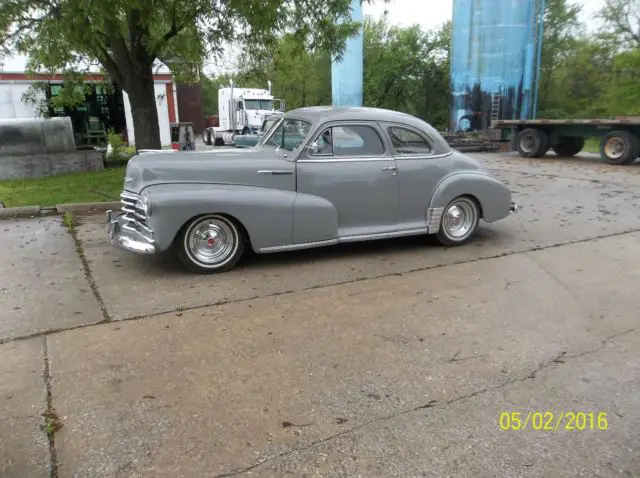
<point x="459" y="221"/>
<point x="210" y="244"/>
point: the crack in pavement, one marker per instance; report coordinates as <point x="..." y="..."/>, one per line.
<point x="108" y="319"/>
<point x="49" y="414"/>
<point x="88" y="274"/>
<point x="560" y="358"/>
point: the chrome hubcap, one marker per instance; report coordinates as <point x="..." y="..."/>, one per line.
<point x="614" y="148"/>
<point x="459" y="219"/>
<point x="527" y="143"/>
<point x="211" y="241"/>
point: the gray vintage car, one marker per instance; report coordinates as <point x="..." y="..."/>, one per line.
<point x="321" y="176"/>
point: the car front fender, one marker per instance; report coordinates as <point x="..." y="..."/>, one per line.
<point x="266" y="214"/>
<point x="494" y="196"/>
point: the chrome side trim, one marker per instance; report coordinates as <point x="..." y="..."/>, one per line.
<point x="275" y="172"/>
<point x="383" y="235"/>
<point x="333" y="242"/>
<point x="433" y="218"/>
<point x="357" y="159"/>
<point x="421" y="156"/>
<point x="304" y="245"/>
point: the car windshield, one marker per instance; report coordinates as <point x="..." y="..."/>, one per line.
<point x="258" y="104"/>
<point x="288" y="134"/>
<point x="268" y="124"/>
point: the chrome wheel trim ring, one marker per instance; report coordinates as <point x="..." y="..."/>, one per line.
<point x="211" y="242"/>
<point x="459" y="219"/>
<point x="614" y="148"/>
<point x="527" y="143"/>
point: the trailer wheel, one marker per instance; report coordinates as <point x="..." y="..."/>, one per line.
<point x="568" y="146"/>
<point x="620" y="147"/>
<point x="532" y="143"/>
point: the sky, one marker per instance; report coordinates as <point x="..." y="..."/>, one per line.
<point x="409" y="12"/>
<point x="400" y="12"/>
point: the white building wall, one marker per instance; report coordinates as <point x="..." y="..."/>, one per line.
<point x="163" y="115"/>
<point x="11" y="104"/>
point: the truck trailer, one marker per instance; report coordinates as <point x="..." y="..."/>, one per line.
<point x="619" y="143"/>
<point x="241" y="111"/>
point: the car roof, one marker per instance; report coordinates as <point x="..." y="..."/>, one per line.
<point x="322" y="114"/>
<point x="356" y="113"/>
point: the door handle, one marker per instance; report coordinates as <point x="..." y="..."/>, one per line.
<point x="390" y="168"/>
<point x="274" y="172"/>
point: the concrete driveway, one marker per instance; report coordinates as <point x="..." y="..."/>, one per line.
<point x="393" y="358"/>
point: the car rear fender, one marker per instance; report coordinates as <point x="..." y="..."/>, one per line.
<point x="493" y="196"/>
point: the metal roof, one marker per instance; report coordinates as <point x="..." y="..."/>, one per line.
<point x="323" y="114"/>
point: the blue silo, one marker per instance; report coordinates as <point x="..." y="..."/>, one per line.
<point x="495" y="61"/>
<point x="347" y="75"/>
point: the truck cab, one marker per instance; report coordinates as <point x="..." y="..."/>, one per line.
<point x="242" y="111"/>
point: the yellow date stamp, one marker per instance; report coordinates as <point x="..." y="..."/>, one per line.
<point x="553" y="421"/>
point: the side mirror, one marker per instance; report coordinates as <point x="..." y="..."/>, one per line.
<point x="313" y="148"/>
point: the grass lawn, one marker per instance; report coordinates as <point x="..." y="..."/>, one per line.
<point x="99" y="186"/>
<point x="592" y="145"/>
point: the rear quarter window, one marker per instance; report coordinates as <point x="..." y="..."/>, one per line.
<point x="408" y="142"/>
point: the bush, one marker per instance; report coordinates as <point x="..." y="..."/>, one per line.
<point x="116" y="148"/>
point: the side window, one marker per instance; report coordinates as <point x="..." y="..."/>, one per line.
<point x="406" y="142"/>
<point x="349" y="141"/>
<point x="240" y="107"/>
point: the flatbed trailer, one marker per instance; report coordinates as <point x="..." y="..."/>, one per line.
<point x="620" y="137"/>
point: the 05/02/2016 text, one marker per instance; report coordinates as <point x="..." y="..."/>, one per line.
<point x="553" y="421"/>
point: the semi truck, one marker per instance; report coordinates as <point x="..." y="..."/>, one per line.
<point x="619" y="137"/>
<point x="241" y="111"/>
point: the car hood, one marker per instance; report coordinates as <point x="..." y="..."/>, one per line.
<point x="230" y="166"/>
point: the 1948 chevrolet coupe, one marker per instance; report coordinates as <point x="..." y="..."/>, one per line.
<point x="320" y="176"/>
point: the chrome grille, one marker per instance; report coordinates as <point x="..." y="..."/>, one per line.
<point x="136" y="219"/>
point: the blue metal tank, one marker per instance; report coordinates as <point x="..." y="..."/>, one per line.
<point x="347" y="77"/>
<point x="495" y="61"/>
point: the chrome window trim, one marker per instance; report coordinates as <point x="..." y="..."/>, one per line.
<point x="370" y="124"/>
<point x="422" y="134"/>
<point x="359" y="159"/>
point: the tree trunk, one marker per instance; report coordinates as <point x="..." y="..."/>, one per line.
<point x="144" y="111"/>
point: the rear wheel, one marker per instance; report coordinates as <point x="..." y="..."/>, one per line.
<point x="532" y="143"/>
<point x="459" y="221"/>
<point x="568" y="146"/>
<point x="210" y="244"/>
<point x="619" y="147"/>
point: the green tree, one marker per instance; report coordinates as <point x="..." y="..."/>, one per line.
<point x="621" y="23"/>
<point x="300" y="76"/>
<point x="127" y="37"/>
<point x="210" y="86"/>
<point x="561" y="30"/>
<point x="407" y="69"/>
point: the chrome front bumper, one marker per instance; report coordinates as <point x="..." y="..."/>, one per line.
<point x="514" y="208"/>
<point x="125" y="237"/>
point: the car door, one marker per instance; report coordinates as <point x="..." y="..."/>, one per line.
<point x="421" y="166"/>
<point x="353" y="170"/>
